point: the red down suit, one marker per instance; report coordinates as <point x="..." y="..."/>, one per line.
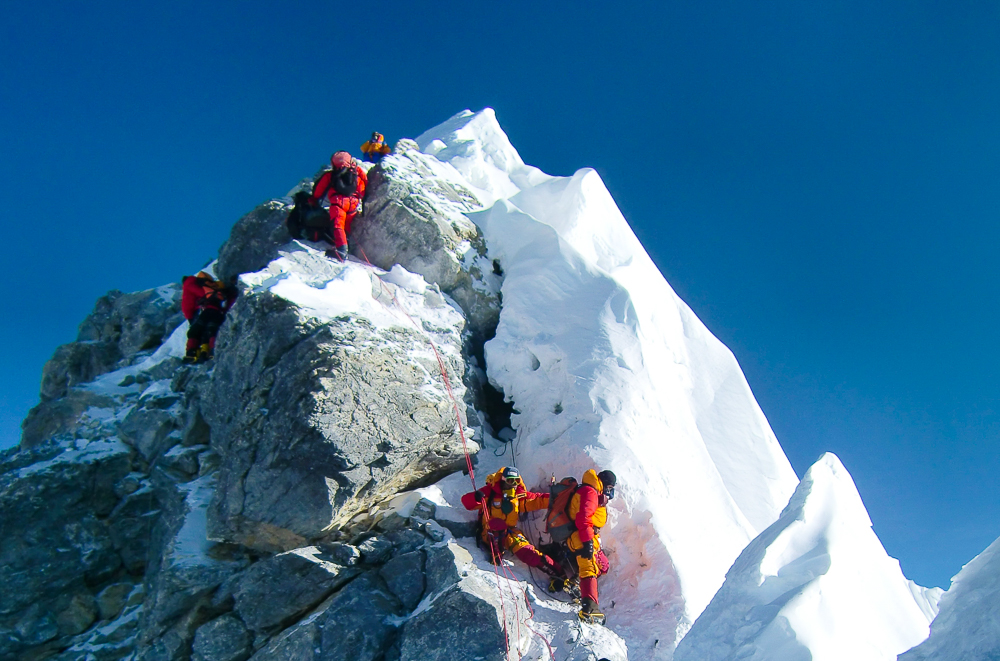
<point x="343" y="208"/>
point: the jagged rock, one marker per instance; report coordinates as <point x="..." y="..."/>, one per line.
<point x="345" y="554"/>
<point x="465" y="623"/>
<point x="352" y="624"/>
<point x="131" y="525"/>
<point x="404" y="575"/>
<point x="274" y="591"/>
<point x="254" y="240"/>
<point x="174" y="644"/>
<point x="121" y="326"/>
<point x="111" y="600"/>
<point x="136" y="321"/>
<point x="223" y="639"/>
<point x="183" y="460"/>
<point x="375" y="550"/>
<point x="56" y="417"/>
<point x="149" y="431"/>
<point x="76" y="363"/>
<point x="50" y="513"/>
<point x="459" y="528"/>
<point x="77" y="615"/>
<point x="36" y="626"/>
<point x="413" y="217"/>
<point x="183" y="571"/>
<point x="318" y="421"/>
<point x="445" y="566"/>
<point x="406" y="540"/>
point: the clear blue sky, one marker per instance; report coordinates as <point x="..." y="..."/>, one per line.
<point x="819" y="181"/>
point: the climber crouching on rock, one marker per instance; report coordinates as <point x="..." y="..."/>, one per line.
<point x="588" y="510"/>
<point x="204" y="302"/>
<point x="500" y="502"/>
<point x="375" y="149"/>
<point x="344" y="186"/>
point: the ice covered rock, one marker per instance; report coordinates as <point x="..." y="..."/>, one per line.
<point x="414" y="217"/>
<point x="184" y="568"/>
<point x="326" y="398"/>
<point x="816" y="584"/>
<point x="967" y="627"/>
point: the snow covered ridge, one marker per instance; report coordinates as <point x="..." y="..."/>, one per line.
<point x="817" y="584"/>
<point x="968" y="626"/>
<point x="608" y="367"/>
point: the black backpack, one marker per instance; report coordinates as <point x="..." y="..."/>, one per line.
<point x="315" y="218"/>
<point x="344" y="181"/>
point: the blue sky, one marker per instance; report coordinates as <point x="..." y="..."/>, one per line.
<point x="819" y="181"/>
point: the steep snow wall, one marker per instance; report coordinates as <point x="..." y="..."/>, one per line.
<point x="607" y="367"/>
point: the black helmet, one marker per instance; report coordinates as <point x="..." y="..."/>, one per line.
<point x="510" y="474"/>
<point x="607" y="478"/>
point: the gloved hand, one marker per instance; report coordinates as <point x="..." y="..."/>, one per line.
<point x="587" y="550"/>
<point x="339" y="253"/>
<point x="480" y="496"/>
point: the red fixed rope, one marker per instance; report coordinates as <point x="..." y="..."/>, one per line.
<point x="494" y="550"/>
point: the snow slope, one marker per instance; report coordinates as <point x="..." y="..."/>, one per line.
<point x="968" y="626"/>
<point x="609" y="368"/>
<point x="815" y="586"/>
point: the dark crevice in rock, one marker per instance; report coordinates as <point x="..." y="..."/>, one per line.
<point x="489" y="401"/>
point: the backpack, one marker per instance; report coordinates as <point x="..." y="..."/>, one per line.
<point x="315" y="218"/>
<point x="344" y="181"/>
<point x="558" y="523"/>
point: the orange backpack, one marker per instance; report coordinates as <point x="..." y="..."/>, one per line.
<point x="557" y="521"/>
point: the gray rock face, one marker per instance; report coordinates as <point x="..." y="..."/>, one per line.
<point x="413" y="217"/>
<point x="223" y="639"/>
<point x="120" y="326"/>
<point x="136" y="321"/>
<point x="75" y="363"/>
<point x="57" y="417"/>
<point x="254" y="240"/>
<point x="183" y="570"/>
<point x="404" y="575"/>
<point x="275" y="591"/>
<point x="352" y="624"/>
<point x="54" y="539"/>
<point x="464" y="619"/>
<point x="436" y="634"/>
<point x="318" y="420"/>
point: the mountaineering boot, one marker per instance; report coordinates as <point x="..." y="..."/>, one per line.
<point x="204" y="353"/>
<point x="555" y="572"/>
<point x="590" y="612"/>
<point x="191" y="357"/>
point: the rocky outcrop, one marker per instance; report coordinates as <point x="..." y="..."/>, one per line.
<point x="414" y="217"/>
<point x="318" y="420"/>
<point x="122" y="330"/>
<point x="254" y="240"/>
<point x="240" y="509"/>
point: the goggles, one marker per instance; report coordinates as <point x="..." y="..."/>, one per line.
<point x="510" y="482"/>
<point x="609" y="492"/>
